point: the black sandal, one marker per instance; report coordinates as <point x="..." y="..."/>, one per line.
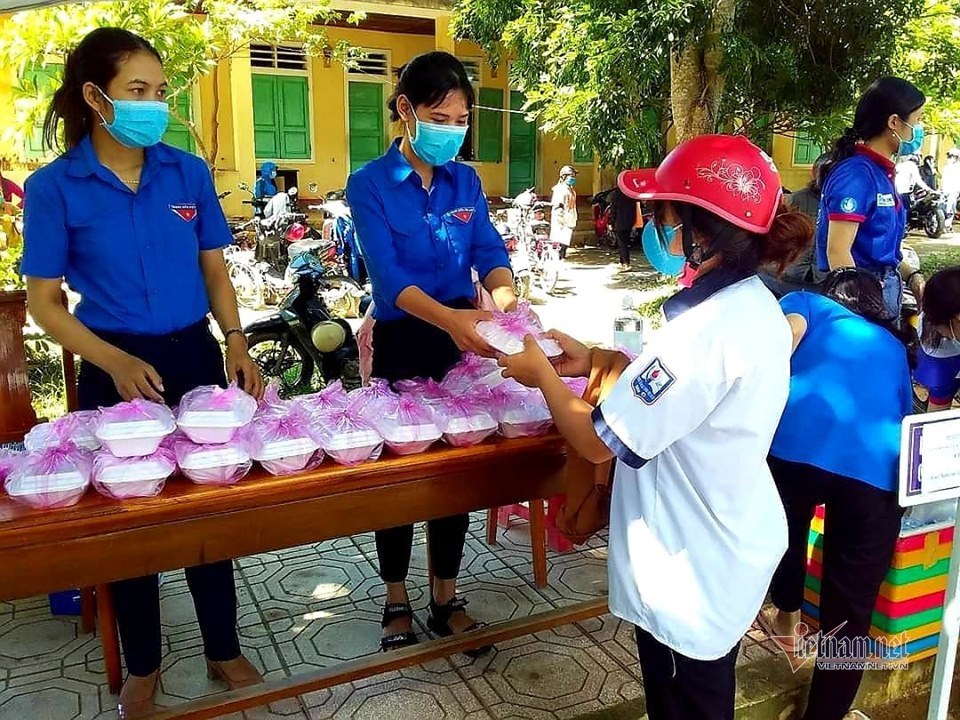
<point x="439" y="623"/>
<point x="395" y="611"/>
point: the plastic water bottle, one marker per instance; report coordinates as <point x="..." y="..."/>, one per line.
<point x="628" y="327"/>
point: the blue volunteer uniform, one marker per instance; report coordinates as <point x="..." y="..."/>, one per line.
<point x="848" y="377"/>
<point x="132" y="257"/>
<point x="861" y="189"/>
<point x="938" y="369"/>
<point x="413" y="237"/>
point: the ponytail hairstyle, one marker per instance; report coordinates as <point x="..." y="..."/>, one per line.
<point x="941" y="304"/>
<point x="861" y="292"/>
<point x="790" y="236"/>
<point x="428" y="79"/>
<point x="96" y="60"/>
<point x="885" y="97"/>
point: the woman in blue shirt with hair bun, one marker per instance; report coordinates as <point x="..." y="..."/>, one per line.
<point x="135" y="228"/>
<point x="424" y="228"/>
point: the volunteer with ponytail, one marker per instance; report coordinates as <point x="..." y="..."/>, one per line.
<point x="696" y="527"/>
<point x="135" y="228"/>
<point x="862" y="217"/>
<point x="424" y="229"/>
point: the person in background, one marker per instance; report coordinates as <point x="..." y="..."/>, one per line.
<point x="950" y="183"/>
<point x="266" y="185"/>
<point x="424" y="227"/>
<point x="909" y="178"/>
<point x="624" y="219"/>
<point x="928" y="172"/>
<point x="938" y="365"/>
<point x="12" y="193"/>
<point x="863" y="218"/>
<point x="135" y="228"/>
<point x="803" y="273"/>
<point x="850" y="379"/>
<point x="563" y="209"/>
<point x="696" y="525"/>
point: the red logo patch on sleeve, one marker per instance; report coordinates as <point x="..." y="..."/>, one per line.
<point x="185" y="211"/>
<point x="464" y="215"/>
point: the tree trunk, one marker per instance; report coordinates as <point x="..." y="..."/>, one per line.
<point x="696" y="77"/>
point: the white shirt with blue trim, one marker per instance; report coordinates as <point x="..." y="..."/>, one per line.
<point x="697" y="527"/>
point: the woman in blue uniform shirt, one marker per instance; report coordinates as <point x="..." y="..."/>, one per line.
<point x="135" y="228"/>
<point x="862" y="218"/>
<point x="423" y="226"/>
<point x="938" y="364"/>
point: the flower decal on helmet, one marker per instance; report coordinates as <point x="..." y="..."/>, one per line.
<point x="735" y="178"/>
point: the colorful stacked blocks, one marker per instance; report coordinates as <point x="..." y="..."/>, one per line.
<point x="909" y="609"/>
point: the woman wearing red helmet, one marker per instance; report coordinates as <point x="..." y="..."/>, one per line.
<point x="697" y="527"/>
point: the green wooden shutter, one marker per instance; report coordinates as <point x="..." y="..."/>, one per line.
<point x="490" y="126"/>
<point x="177" y="133"/>
<point x="582" y="156"/>
<point x="805" y="149"/>
<point x="523" y="148"/>
<point x="266" y="126"/>
<point x="365" y="108"/>
<point x="294" y="97"/>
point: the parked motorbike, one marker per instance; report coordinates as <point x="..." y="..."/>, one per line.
<point x="928" y="212"/>
<point x="603" y="219"/>
<point x="527" y="219"/>
<point x="302" y="345"/>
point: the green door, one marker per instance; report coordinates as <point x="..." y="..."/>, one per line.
<point x="177" y="133"/>
<point x="365" y="107"/>
<point x="281" y="117"/>
<point x="523" y="148"/>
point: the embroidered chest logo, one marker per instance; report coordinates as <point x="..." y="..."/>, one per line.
<point x="185" y="211"/>
<point x="464" y="215"/>
<point x="653" y="382"/>
<point x="848" y="205"/>
<point x="886" y="200"/>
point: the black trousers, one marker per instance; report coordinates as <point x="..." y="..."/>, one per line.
<point x="402" y="350"/>
<point x="623" y="244"/>
<point x="861" y="526"/>
<point x="184" y="360"/>
<point x="680" y="688"/>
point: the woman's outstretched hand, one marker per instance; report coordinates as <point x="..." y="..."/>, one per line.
<point x="461" y="325"/>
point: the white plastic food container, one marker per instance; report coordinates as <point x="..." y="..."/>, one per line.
<point x="525" y="422"/>
<point x="467" y="431"/>
<point x="46" y="492"/>
<point x="286" y="456"/>
<point x="510" y="344"/>
<point x="75" y="427"/>
<point x="410" y="439"/>
<point x="205" y="465"/>
<point x="353" y="447"/>
<point x="211" y="427"/>
<point x="134" y="478"/>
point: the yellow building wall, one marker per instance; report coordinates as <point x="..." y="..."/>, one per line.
<point x="792" y="176"/>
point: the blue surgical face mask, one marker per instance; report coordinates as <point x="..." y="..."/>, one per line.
<point x="656" y="246"/>
<point x="137" y="123"/>
<point x="571" y="181"/>
<point x="437" y="144"/>
<point x="913" y="145"/>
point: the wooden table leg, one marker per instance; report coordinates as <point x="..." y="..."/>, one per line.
<point x="538" y="542"/>
<point x="88" y="610"/>
<point x="109" y="638"/>
<point x="493" y="517"/>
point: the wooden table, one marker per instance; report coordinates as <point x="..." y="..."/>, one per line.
<point x="100" y="540"/>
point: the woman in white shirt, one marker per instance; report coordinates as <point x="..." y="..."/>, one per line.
<point x="697" y="527"/>
<point x="563" y="209"/>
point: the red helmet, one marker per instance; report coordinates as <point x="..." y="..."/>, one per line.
<point x="725" y="174"/>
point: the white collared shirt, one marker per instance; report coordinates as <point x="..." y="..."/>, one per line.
<point x="697" y="527"/>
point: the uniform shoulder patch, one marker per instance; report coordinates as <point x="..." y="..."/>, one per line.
<point x="848" y="205"/>
<point x="653" y="381"/>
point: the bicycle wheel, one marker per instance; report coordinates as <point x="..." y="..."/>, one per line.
<point x="550" y="273"/>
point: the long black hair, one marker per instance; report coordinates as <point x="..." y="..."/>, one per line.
<point x="428" y="79"/>
<point x="885" y="97"/>
<point x="941" y="304"/>
<point x="95" y="60"/>
<point x="861" y="292"/>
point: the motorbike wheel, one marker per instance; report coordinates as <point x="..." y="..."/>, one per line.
<point x="279" y="358"/>
<point x="247" y="283"/>
<point x="550" y="272"/>
<point x="522" y="286"/>
<point x="935" y="224"/>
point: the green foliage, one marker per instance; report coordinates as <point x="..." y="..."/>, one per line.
<point x="599" y="70"/>
<point x="45" y="369"/>
<point x="10" y="278"/>
<point x="933" y="262"/>
<point x="193" y="37"/>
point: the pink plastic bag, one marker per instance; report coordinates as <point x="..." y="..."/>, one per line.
<point x="76" y="427"/>
<point x="52" y="478"/>
<point x="332" y="397"/>
<point x="521" y="412"/>
<point x="347" y="437"/>
<point x="427" y="391"/>
<point x="281" y="440"/>
<point x="134" y="429"/>
<point x="470" y="371"/>
<point x="213" y="415"/>
<point x="577" y="384"/>
<point x="506" y="332"/>
<point x="371" y="399"/>
<point x="8" y="461"/>
<point x="135" y="477"/>
<point x="466" y="419"/>
<point x="225" y="464"/>
<point x="407" y="426"/>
